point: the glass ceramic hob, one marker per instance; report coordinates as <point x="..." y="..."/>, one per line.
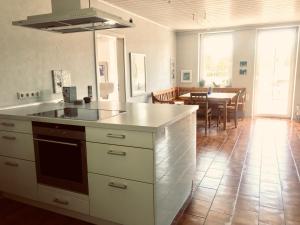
<point x="79" y="114"/>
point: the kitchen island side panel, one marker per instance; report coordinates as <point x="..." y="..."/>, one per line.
<point x="175" y="166"/>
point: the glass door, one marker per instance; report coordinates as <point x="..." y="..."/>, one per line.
<point x="275" y="68"/>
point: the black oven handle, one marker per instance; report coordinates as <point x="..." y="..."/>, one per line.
<point x="56" y="142"/>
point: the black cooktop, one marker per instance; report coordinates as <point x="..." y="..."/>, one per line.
<point x="79" y="114"/>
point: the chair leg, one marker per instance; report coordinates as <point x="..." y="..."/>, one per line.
<point x="206" y="122"/>
<point x="235" y="119"/>
<point x="209" y="121"/>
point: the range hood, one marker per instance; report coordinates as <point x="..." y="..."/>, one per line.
<point x="69" y="17"/>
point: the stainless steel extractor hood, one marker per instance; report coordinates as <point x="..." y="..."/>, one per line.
<point x="68" y="17"/>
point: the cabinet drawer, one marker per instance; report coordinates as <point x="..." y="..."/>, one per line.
<point x="120" y="137"/>
<point x="119" y="161"/>
<point x="121" y="201"/>
<point x="18" y="177"/>
<point x="64" y="199"/>
<point x="17" y="145"/>
<point x="16" y="125"/>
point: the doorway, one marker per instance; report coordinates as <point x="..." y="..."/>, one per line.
<point x="110" y="66"/>
<point x="275" y="71"/>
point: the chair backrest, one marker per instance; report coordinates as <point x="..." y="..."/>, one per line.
<point x="199" y="98"/>
<point x="237" y="99"/>
<point x="164" y="96"/>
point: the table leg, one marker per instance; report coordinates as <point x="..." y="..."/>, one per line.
<point x="225" y="115"/>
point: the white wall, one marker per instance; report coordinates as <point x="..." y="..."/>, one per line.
<point x="244" y="43"/>
<point x="187" y="54"/>
<point x="28" y="56"/>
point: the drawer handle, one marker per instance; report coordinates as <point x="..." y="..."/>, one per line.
<point x="119" y="136"/>
<point x="117" y="185"/>
<point x="61" y="202"/>
<point x="8" y="124"/>
<point x="55" y="142"/>
<point x="11" y="138"/>
<point x="11" y="164"/>
<point x="111" y="152"/>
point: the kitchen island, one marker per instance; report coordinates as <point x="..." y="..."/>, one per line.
<point x="140" y="161"/>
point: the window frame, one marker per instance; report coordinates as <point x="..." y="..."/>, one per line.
<point x="201" y="54"/>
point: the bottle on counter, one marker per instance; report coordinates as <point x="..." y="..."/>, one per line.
<point x="209" y="90"/>
<point x="90" y="91"/>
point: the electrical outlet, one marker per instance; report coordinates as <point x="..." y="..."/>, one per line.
<point x="20" y="95"/>
<point x="27" y="95"/>
<point x="37" y="94"/>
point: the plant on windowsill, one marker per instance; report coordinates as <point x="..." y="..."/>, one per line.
<point x="201" y="83"/>
<point x="216" y="85"/>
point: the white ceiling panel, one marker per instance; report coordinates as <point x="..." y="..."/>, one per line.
<point x="206" y="14"/>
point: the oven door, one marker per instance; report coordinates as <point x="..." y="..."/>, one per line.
<point x="61" y="162"/>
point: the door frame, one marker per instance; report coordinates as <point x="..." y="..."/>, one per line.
<point x="118" y="37"/>
<point x="292" y="79"/>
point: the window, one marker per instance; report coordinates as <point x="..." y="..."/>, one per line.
<point x="216" y="59"/>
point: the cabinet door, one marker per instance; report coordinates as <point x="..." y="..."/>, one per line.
<point x="121" y="201"/>
<point x="18" y="177"/>
<point x="119" y="161"/>
<point x="64" y="199"/>
<point x="119" y="137"/>
<point x="16" y="125"/>
<point x="17" y="145"/>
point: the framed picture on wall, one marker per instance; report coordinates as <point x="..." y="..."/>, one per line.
<point x="103" y="71"/>
<point x="172" y="69"/>
<point x="137" y="74"/>
<point x="186" y="76"/>
<point x="243" y="68"/>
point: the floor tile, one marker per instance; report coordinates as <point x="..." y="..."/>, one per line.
<point x="216" y="218"/>
<point x="208" y="182"/>
<point x="245" y="218"/>
<point x="198" y="208"/>
<point x="271" y="216"/>
<point x="204" y="194"/>
<point x="191" y="220"/>
<point x="247" y="203"/>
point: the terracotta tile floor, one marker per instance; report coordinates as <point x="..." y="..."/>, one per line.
<point x="247" y="176"/>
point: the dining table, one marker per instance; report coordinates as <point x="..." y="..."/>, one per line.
<point x="215" y="98"/>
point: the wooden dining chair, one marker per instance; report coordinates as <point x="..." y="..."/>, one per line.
<point x="232" y="109"/>
<point x="201" y="99"/>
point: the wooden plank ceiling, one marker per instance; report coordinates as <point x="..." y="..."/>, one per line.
<point x="206" y="14"/>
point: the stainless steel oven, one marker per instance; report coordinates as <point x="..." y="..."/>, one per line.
<point x="60" y="152"/>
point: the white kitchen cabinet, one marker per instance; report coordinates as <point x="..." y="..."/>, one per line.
<point x="16" y="125"/>
<point x="17" y="145"/>
<point x="120" y="161"/>
<point x="119" y="186"/>
<point x="140" y="177"/>
<point x="17" y="166"/>
<point x="64" y="199"/>
<point x="122" y="201"/>
<point x="120" y="137"/>
<point x="18" y="177"/>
